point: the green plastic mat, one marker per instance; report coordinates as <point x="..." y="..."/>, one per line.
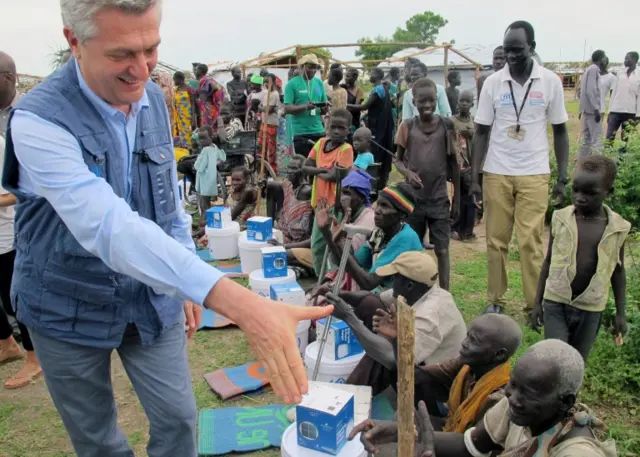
<point x="225" y="430"/>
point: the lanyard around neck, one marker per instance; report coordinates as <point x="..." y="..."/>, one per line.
<point x="524" y="100"/>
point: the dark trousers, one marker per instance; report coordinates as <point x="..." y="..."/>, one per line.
<point x="467" y="220"/>
<point x="6" y="273"/>
<point x="435" y="218"/>
<point x="303" y="143"/>
<point x="617" y="120"/>
<point x="186" y="168"/>
<point x="480" y="211"/>
<point x="572" y="325"/>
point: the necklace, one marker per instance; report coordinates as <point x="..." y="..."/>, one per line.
<point x="593" y="218"/>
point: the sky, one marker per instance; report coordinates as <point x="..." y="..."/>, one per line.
<point x="213" y="30"/>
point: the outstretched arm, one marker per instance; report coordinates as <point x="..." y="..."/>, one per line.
<point x="378" y="348"/>
<point x="366" y="105"/>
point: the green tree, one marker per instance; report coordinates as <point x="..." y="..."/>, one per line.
<point x="421" y="28"/>
<point x="373" y="52"/>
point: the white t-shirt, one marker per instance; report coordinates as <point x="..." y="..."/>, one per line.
<point x="607" y="84"/>
<point x="7" y="214"/>
<point x="545" y="104"/>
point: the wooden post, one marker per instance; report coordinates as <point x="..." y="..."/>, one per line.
<point x="264" y="145"/>
<point x="446" y="66"/>
<point x="298" y="54"/>
<point x="244" y="72"/>
<point x="406" y="386"/>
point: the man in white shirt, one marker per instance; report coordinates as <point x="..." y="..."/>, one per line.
<point x="590" y="106"/>
<point x="625" y="100"/>
<point x="518" y="101"/>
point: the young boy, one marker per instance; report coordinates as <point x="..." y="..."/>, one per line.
<point x="427" y="157"/>
<point x="326" y="155"/>
<point x="362" y="147"/>
<point x="453" y="94"/>
<point x="463" y="121"/>
<point x="589" y="234"/>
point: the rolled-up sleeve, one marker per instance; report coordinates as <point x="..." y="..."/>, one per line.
<point x="51" y="166"/>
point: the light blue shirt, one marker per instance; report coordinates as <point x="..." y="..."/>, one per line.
<point x="51" y="166"/>
<point x="409" y="110"/>
<point x="364" y="160"/>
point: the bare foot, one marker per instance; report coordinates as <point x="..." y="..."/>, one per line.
<point x="30" y="371"/>
<point x="10" y="353"/>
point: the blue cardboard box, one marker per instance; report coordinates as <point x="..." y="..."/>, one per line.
<point x="274" y="262"/>
<point x="259" y="228"/>
<point x="324" y="419"/>
<point x="288" y="292"/>
<point x="218" y="217"/>
<point x="341" y="341"/>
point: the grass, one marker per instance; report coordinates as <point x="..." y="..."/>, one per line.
<point x="30" y="425"/>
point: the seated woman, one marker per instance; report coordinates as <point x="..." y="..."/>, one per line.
<point x="439" y="327"/>
<point x="538" y="417"/>
<point x="289" y="204"/>
<point x="391" y="237"/>
<point x="469" y="384"/>
<point x="243" y="197"/>
<point x="357" y="209"/>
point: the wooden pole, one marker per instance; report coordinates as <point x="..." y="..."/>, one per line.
<point x="446" y="66"/>
<point x="298" y="53"/>
<point x="357" y="45"/>
<point x="464" y="56"/>
<point x="266" y="56"/>
<point x="264" y="126"/>
<point x="244" y="72"/>
<point x="406" y="386"/>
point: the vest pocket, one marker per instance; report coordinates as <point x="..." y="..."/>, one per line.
<point x="160" y="166"/>
<point x="95" y="154"/>
<point x="74" y="300"/>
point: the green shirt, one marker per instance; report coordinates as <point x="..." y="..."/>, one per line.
<point x="299" y="91"/>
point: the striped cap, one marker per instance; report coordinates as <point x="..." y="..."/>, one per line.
<point x="401" y="200"/>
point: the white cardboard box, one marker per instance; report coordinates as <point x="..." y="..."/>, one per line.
<point x="324" y="419"/>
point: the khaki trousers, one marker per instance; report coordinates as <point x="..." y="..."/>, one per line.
<point x="519" y="200"/>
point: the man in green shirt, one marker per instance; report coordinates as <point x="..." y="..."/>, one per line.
<point x="305" y="101"/>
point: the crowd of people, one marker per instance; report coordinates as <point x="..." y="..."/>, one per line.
<point x="125" y="275"/>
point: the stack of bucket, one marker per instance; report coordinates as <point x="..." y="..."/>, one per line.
<point x="222" y="233"/>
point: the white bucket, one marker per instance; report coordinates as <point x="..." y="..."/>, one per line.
<point x="223" y="243"/>
<point x="330" y="370"/>
<point x="289" y="446"/>
<point x="250" y="254"/>
<point x="302" y="335"/>
<point x="262" y="286"/>
<point x="277" y="234"/>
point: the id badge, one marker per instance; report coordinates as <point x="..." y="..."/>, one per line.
<point x="313" y="112"/>
<point x="516" y="134"/>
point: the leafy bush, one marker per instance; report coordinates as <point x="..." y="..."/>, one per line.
<point x="626" y="195"/>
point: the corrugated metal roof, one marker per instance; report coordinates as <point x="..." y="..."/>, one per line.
<point x="434" y="59"/>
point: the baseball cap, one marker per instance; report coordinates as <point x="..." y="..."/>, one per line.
<point x="415" y="265"/>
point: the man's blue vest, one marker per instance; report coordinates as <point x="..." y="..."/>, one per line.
<point x="60" y="289"/>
